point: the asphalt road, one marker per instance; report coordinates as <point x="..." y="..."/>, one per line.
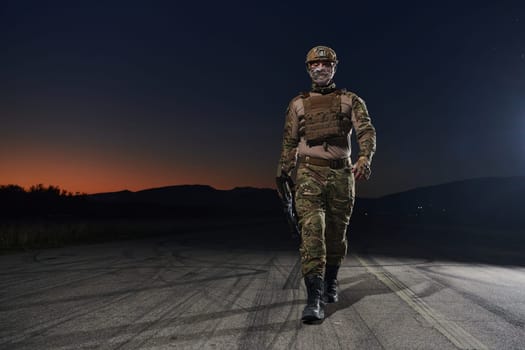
<point x="167" y="293"/>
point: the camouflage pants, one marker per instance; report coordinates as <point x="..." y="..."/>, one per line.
<point x="324" y="199"/>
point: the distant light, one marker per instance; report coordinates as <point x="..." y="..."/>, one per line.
<point x="366" y="213"/>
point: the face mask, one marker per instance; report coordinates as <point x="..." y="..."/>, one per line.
<point x="321" y="74"/>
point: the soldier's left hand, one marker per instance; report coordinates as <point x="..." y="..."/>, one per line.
<point x="361" y="168"/>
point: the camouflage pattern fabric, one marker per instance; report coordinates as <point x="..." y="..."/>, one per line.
<point x="290" y="141"/>
<point x="324" y="197"/>
<point x="361" y="123"/>
<point x="364" y="130"/>
<point x="324" y="202"/>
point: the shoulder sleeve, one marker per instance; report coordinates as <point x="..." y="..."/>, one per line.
<point x="288" y="157"/>
<point x="365" y="131"/>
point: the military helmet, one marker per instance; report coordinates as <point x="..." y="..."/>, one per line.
<point x="321" y="53"/>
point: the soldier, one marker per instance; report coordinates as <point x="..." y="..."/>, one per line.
<point x="316" y="144"/>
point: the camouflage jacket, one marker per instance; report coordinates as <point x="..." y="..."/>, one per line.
<point x="294" y="145"/>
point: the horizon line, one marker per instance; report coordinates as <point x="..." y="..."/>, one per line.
<point x="250" y="186"/>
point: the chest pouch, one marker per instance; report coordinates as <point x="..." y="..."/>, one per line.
<point x="323" y="122"/>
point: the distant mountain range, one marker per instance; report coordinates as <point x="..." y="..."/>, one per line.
<point x="494" y="201"/>
<point x="191" y="195"/>
<point x="478" y="193"/>
<point x="497" y="202"/>
<point x="194" y="196"/>
<point x="489" y="200"/>
<point x="481" y="194"/>
<point x="191" y="199"/>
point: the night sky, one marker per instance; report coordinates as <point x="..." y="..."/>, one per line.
<point x="105" y="96"/>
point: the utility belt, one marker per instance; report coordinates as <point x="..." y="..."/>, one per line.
<point x="332" y="163"/>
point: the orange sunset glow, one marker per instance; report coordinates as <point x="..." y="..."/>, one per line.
<point x="102" y="98"/>
<point x="97" y="172"/>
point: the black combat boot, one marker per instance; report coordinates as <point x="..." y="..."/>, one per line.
<point x="313" y="311"/>
<point x="330" y="284"/>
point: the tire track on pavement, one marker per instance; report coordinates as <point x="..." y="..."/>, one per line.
<point x="41" y="328"/>
<point x="235" y="300"/>
<point x="452" y="331"/>
<point x="180" y="310"/>
<point x="506" y="315"/>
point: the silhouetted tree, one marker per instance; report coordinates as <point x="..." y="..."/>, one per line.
<point x="39" y="201"/>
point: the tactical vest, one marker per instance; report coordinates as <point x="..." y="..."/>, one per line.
<point x="323" y="121"/>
